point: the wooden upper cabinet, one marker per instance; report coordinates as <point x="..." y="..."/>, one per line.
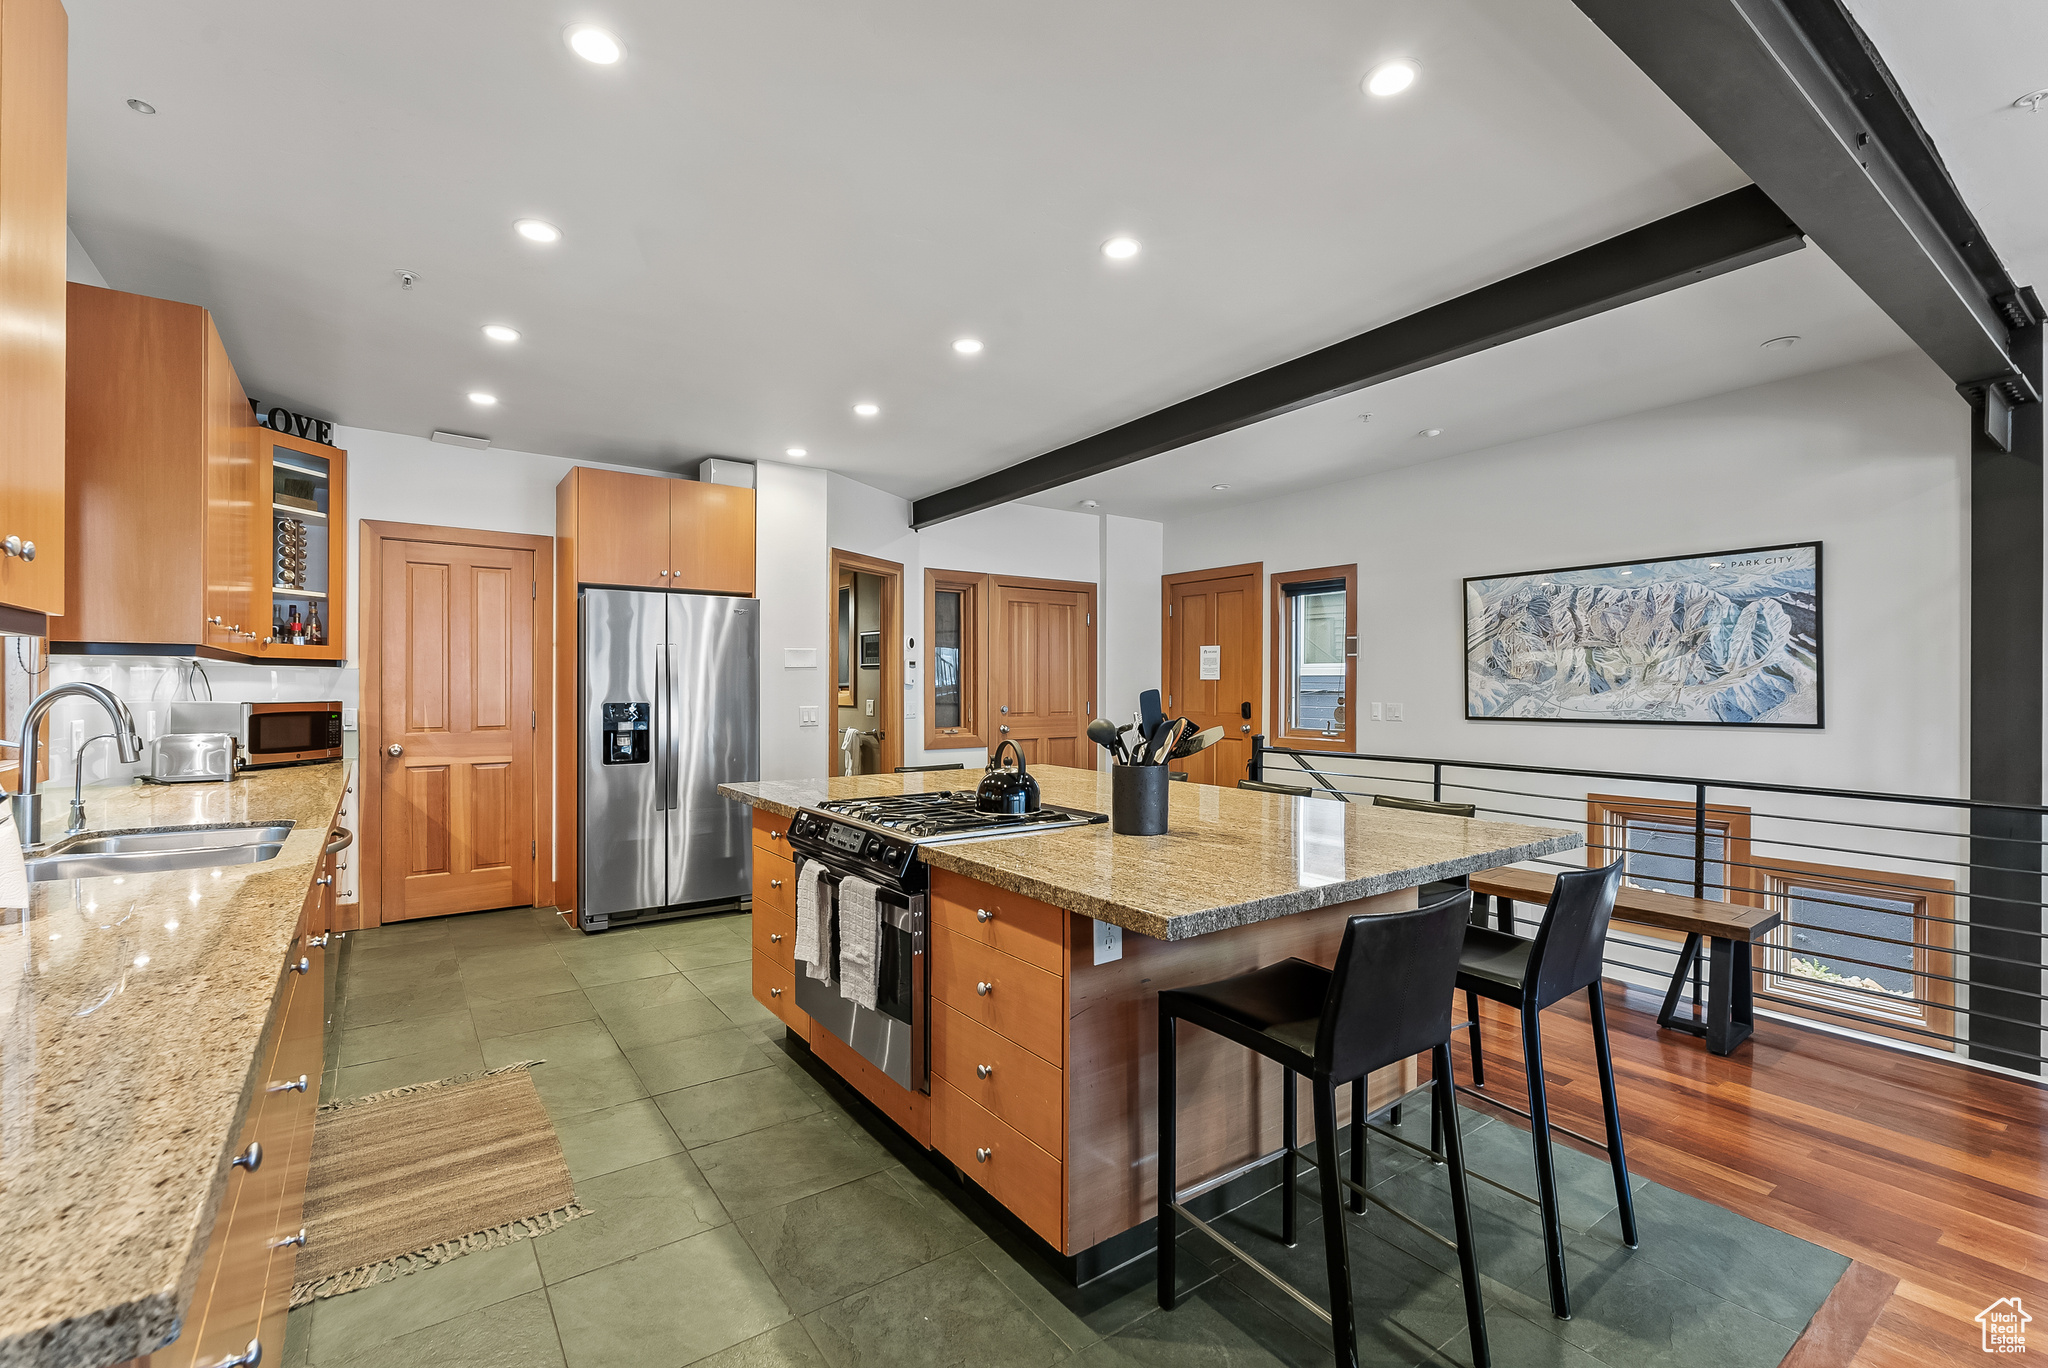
<point x="301" y="528"/>
<point x="621" y="528"/>
<point x="653" y="532"/>
<point x="711" y="537"/>
<point x="33" y="39"/>
<point x="161" y="478"/>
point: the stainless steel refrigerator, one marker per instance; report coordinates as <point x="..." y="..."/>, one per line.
<point x="669" y="701"/>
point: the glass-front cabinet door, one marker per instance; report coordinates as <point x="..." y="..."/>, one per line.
<point x="307" y="485"/>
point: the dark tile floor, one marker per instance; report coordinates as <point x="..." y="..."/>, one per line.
<point x="743" y="1215"/>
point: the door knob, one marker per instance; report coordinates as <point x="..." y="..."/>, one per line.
<point x="1245" y="727"/>
<point x="394" y="749"/>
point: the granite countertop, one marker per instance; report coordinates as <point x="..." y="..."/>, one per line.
<point x="130" y="1011"/>
<point x="1229" y="857"/>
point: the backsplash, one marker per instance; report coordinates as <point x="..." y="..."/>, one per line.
<point x="150" y="684"/>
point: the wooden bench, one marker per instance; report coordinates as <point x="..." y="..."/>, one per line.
<point x="1728" y="929"/>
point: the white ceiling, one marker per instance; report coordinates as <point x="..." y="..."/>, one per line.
<point x="1701" y="340"/>
<point x="1961" y="67"/>
<point x="774" y="209"/>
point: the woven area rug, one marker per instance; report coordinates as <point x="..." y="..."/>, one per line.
<point x="410" y="1178"/>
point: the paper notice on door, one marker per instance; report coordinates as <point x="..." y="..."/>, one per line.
<point x="1212" y="662"/>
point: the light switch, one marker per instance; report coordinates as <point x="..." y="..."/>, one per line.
<point x="1393" y="712"/>
<point x="871" y="707"/>
<point x="1109" y="942"/>
<point x="1376" y="713"/>
<point x="806" y="715"/>
<point x="348" y="719"/>
<point x="77" y="735"/>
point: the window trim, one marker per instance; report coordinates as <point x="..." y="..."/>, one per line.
<point x="974" y="593"/>
<point x="1603" y="810"/>
<point x="1933" y="914"/>
<point x="1282" y="651"/>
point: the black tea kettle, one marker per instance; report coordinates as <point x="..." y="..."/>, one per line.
<point x="1002" y="789"/>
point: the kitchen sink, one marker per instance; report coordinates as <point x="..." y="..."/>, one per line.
<point x="93" y="854"/>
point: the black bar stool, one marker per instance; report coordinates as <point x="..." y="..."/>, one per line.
<point x="1530" y="975"/>
<point x="1387" y="998"/>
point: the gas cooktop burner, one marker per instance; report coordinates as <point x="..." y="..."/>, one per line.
<point x="949" y="814"/>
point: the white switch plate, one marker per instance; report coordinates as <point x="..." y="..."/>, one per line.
<point x="1376" y="712"/>
<point x="806" y="715"/>
<point x="348" y="719"/>
<point x="77" y="735"/>
<point x="1109" y="942"/>
<point x="871" y="707"/>
<point x="799" y="657"/>
<point x="1393" y="712"/>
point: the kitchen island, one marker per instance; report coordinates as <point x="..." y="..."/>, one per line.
<point x="1046" y="954"/>
<point x="147" y="1022"/>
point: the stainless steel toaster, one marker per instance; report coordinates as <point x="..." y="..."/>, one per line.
<point x="194" y="757"/>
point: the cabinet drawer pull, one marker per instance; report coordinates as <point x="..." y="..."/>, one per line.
<point x="984" y="1070"/>
<point x="982" y="989"/>
<point x="298" y="1239"/>
<point x="982" y="914"/>
<point x="250" y="1159"/>
<point x="774" y="835"/>
<point x="302" y="966"/>
<point x="775" y="883"/>
<point x="774" y="992"/>
<point x="318" y="940"/>
<point x="299" y="1086"/>
<point x="323" y="880"/>
<point x="248" y="1358"/>
<point x="775" y="938"/>
<point x="981" y="1155"/>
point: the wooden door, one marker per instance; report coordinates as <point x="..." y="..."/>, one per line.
<point x="1217" y="609"/>
<point x="711" y="537"/>
<point x="456" y="696"/>
<point x="32" y="245"/>
<point x="1042" y="669"/>
<point x="237" y="538"/>
<point x="622" y="529"/>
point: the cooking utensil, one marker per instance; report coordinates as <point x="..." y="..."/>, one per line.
<point x="1006" y="790"/>
<point x="1196" y="743"/>
<point x="1170" y="734"/>
<point x="1149" y="714"/>
<point x="1104" y="733"/>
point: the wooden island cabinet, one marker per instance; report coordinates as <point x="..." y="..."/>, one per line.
<point x="1042" y="1052"/>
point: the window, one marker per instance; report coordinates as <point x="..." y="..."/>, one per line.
<point x="1864" y="948"/>
<point x="1655" y="839"/>
<point x="956" y="633"/>
<point x="1315" y="656"/>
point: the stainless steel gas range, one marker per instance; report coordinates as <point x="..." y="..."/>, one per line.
<point x="877" y="839"/>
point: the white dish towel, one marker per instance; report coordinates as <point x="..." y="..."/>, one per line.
<point x="13" y="869"/>
<point x="860" y="941"/>
<point x="813" y="917"/>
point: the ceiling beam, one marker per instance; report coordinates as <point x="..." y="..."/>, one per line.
<point x="1735" y="230"/>
<point x="1795" y="93"/>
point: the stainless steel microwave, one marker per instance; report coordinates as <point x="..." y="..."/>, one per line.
<point x="271" y="733"/>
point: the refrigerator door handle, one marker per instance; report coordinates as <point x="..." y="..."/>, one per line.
<point x="664" y="725"/>
<point x="672" y="737"/>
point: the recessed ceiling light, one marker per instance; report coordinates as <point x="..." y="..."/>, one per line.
<point x="1780" y="343"/>
<point x="1390" y="78"/>
<point x="1090" y="503"/>
<point x="2031" y="101"/>
<point x="142" y="106"/>
<point x="498" y="332"/>
<point x="967" y="346"/>
<point x="866" y="410"/>
<point x="1121" y="248"/>
<point x="1430" y="432"/>
<point x="798" y="452"/>
<point x="535" y="230"/>
<point x="1219" y="486"/>
<point x="594" y="45"/>
<point x="479" y="397"/>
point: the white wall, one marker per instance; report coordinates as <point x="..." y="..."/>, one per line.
<point x="77" y="265"/>
<point x="1870" y="460"/>
<point x="793" y="580"/>
<point x="1120" y="556"/>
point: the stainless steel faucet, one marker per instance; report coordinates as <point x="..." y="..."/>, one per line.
<point x="28" y="804"/>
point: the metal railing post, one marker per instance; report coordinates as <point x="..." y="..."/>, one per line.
<point x="1699" y="880"/>
<point x="1436" y="783"/>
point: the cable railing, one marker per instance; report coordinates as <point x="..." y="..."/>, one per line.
<point x="1891" y="924"/>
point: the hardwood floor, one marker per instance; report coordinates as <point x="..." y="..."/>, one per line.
<point x="1928" y="1172"/>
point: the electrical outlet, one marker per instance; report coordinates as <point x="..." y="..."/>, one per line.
<point x="1109" y="942"/>
<point x="1393" y="712"/>
<point x="806" y="716"/>
<point x="77" y="735"/>
<point x="1376" y="713"/>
